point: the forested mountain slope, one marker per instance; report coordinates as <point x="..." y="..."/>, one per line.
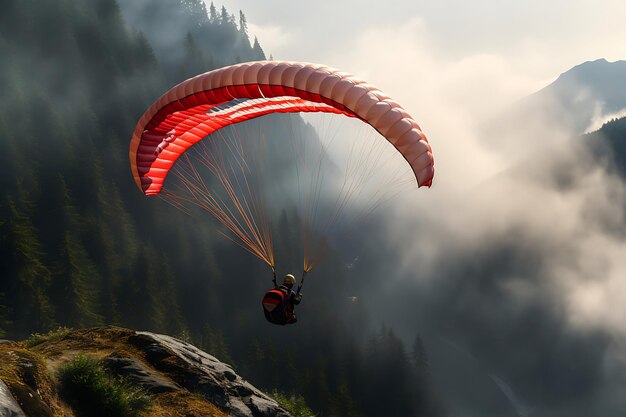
<point x="80" y="246"/>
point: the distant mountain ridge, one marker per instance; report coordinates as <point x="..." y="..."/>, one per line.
<point x="587" y="89"/>
<point x="579" y="100"/>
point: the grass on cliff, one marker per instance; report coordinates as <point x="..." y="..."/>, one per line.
<point x="295" y="404"/>
<point x="53" y="335"/>
<point x="92" y="393"/>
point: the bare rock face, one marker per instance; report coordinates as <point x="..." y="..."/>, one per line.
<point x="140" y="374"/>
<point x="197" y="371"/>
<point x="26" y="392"/>
<point x="8" y="405"/>
<point x="181" y="379"/>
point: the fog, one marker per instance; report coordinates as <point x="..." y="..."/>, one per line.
<point x="511" y="265"/>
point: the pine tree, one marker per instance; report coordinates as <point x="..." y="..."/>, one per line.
<point x="4" y="312"/>
<point x="125" y="229"/>
<point x="76" y="276"/>
<point x="200" y="290"/>
<point x="193" y="61"/>
<point x="28" y="277"/>
<point x="104" y="243"/>
<point x="76" y="283"/>
<point x="420" y="357"/>
<point x="243" y="24"/>
<point x="323" y="391"/>
<point x="387" y="375"/>
<point x="212" y="13"/>
<point x="243" y="33"/>
<point x="197" y="11"/>
<point x="148" y="299"/>
<point x="254" y="357"/>
<point x="258" y="51"/>
<point x="424" y="401"/>
<point x="8" y="156"/>
<point x="143" y="51"/>
<point x="224" y="16"/>
<point x="168" y="318"/>
<point x="344" y="403"/>
<point x="214" y="342"/>
<point x="138" y="299"/>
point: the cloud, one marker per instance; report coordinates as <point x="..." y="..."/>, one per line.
<point x="448" y="97"/>
<point x="527" y="274"/>
<point x="516" y="257"/>
<point x="599" y="117"/>
<point x="272" y="38"/>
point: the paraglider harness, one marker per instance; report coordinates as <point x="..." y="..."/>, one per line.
<point x="277" y="305"/>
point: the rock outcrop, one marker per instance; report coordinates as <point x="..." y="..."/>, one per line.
<point x="181" y="379"/>
<point x="200" y="372"/>
<point x="8" y="405"/>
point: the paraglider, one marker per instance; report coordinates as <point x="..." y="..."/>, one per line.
<point x="279" y="303"/>
<point x="210" y="102"/>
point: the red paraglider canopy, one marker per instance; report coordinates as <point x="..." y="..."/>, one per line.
<point x="208" y="102"/>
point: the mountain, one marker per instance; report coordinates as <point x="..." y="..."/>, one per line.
<point x="188" y="39"/>
<point x="72" y="242"/>
<point x="81" y="372"/>
<point x="80" y="246"/>
<point x="578" y="101"/>
<point x="609" y="142"/>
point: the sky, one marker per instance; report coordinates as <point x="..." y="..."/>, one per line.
<point x="512" y="265"/>
<point x="447" y="60"/>
<point x="510" y="46"/>
<point x="515" y="271"/>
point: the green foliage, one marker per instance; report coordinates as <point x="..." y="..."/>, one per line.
<point x="256" y="47"/>
<point x="4" y="312"/>
<point x="214" y="342"/>
<point x="76" y="238"/>
<point x="79" y="245"/>
<point x="53" y="335"/>
<point x="295" y="404"/>
<point x="212" y="13"/>
<point x="243" y="23"/>
<point x="214" y="32"/>
<point x="340" y="376"/>
<point x="609" y="143"/>
<point x="28" y="275"/>
<point x="91" y="392"/>
<point x="76" y="275"/>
